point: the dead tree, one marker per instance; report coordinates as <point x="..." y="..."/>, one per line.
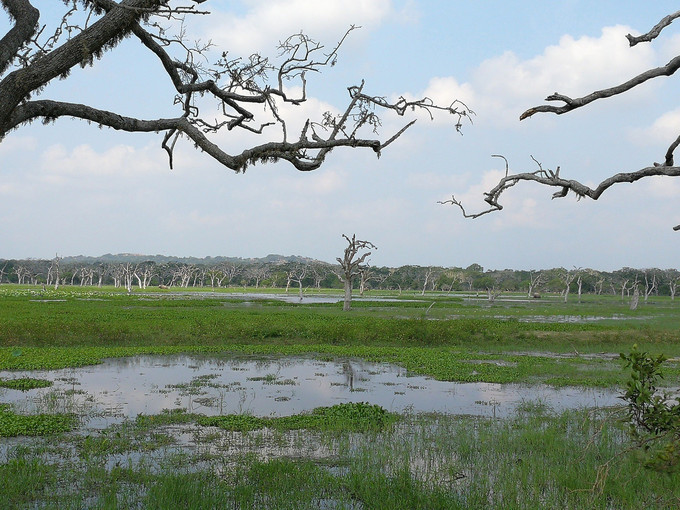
<point x="567" y="278"/>
<point x="535" y="279"/>
<point x="53" y="272"/>
<point x="230" y="270"/>
<point x="579" y="282"/>
<point x="564" y="185"/>
<point x="429" y="273"/>
<point x="650" y="286"/>
<point x="143" y="274"/>
<point x="636" y="297"/>
<point x="297" y="274"/>
<point x="319" y="271"/>
<point x="22" y="273"/>
<point x="673" y="278"/>
<point x="257" y="272"/>
<point x="247" y="92"/>
<point x="352" y="263"/>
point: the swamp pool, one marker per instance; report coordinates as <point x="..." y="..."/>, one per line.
<point x="122" y="388"/>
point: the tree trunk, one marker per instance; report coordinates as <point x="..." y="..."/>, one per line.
<point x="348" y="295"/>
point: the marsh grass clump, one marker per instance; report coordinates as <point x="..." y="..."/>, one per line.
<point x="12" y="424"/>
<point x="24" y="383"/>
<point x="24" y="481"/>
<point x="348" y="417"/>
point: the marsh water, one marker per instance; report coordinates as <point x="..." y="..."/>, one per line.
<point x="125" y="387"/>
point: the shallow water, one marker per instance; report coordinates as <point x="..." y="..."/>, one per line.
<point x="125" y="387"/>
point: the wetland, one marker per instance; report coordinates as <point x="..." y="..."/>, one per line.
<point x="153" y="400"/>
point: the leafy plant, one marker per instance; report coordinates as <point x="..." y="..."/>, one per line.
<point x="654" y="419"/>
<point x="12" y="424"/>
<point x="24" y="383"/>
<point x="352" y="416"/>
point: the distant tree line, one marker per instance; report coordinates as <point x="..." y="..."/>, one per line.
<point x="301" y="274"/>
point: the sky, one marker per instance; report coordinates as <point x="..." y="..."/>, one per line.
<point x="70" y="188"/>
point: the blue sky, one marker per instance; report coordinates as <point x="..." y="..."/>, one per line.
<point x="71" y="188"/>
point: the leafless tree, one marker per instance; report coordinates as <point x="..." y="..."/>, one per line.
<point x="3" y="271"/>
<point x="492" y="293"/>
<point x="579" y="282"/>
<point x="535" y="279"/>
<point x="22" y="273"/>
<point x="319" y="271"/>
<point x="673" y="277"/>
<point x="651" y="284"/>
<point x="366" y="275"/>
<point x="101" y="270"/>
<point x="429" y="274"/>
<point x="553" y="178"/>
<point x="143" y="273"/>
<point x="456" y="277"/>
<point x="247" y="92"/>
<point x="636" y="297"/>
<point x="117" y="275"/>
<point x="599" y="280"/>
<point x="351" y="264"/>
<point x="625" y="288"/>
<point x="567" y="278"/>
<point x="53" y="272"/>
<point x="297" y="274"/>
<point x="86" y="275"/>
<point x="215" y="275"/>
<point x="258" y="272"/>
<point x="230" y="271"/>
<point x="128" y="272"/>
<point x="183" y="273"/>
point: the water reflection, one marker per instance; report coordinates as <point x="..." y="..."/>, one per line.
<point x="126" y="387"/>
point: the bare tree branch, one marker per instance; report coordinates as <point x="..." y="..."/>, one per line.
<point x="654" y="32"/>
<point x="239" y="88"/>
<point x="549" y="178"/>
<point x="572" y="104"/>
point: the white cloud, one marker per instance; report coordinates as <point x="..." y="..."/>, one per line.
<point x="662" y="131"/>
<point x="502" y="87"/>
<point x="12" y="144"/>
<point x="661" y="187"/>
<point x="8" y="189"/>
<point x="319" y="183"/>
<point x="272" y="20"/>
<point x="59" y="164"/>
<point x="429" y="180"/>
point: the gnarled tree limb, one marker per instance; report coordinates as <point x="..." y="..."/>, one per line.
<point x="550" y="178"/>
<point x="238" y="88"/>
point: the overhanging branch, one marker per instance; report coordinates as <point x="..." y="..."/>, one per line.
<point x="552" y="178"/>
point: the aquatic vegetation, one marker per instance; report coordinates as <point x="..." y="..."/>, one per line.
<point x="354" y="417"/>
<point x="13" y="424"/>
<point x="24" y="383"/>
<point x="345" y="456"/>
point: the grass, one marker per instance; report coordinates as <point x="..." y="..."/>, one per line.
<point x="105" y="318"/>
<point x="76" y="327"/>
<point x="536" y="459"/>
<point x="353" y="417"/>
<point x="13" y="424"/>
<point x="347" y="456"/>
<point x="24" y="383"/>
<point x="463" y="364"/>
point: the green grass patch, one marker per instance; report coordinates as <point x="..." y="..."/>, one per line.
<point x="12" y="424"/>
<point x="353" y="417"/>
<point x="24" y="383"/>
<point x="461" y="364"/>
